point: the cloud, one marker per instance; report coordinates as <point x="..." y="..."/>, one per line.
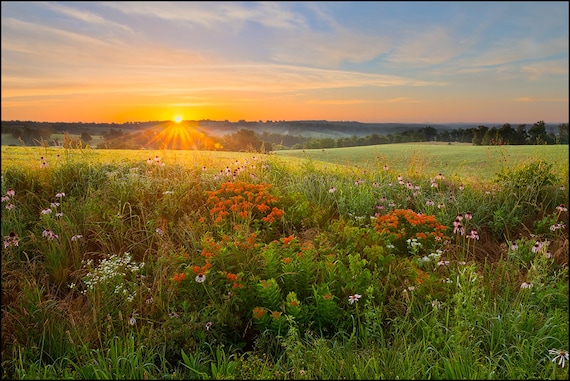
<point x="214" y="14"/>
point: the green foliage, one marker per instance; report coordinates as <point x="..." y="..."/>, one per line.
<point x="318" y="293"/>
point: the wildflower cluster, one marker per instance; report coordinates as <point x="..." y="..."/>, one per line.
<point x="112" y="277"/>
<point x="403" y="224"/>
<point x="243" y="202"/>
<point x="7" y="198"/>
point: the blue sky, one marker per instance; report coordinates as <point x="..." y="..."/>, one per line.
<point x="432" y="62"/>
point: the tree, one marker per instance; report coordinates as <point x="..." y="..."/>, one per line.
<point x="521" y="136"/>
<point x="563" y="133"/>
<point x="478" y="134"/>
<point x="507" y="134"/>
<point x="537" y="133"/>
<point x="86" y="137"/>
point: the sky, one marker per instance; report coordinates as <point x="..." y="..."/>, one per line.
<point x="383" y="62"/>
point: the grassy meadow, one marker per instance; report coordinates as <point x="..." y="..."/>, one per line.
<point x="409" y="261"/>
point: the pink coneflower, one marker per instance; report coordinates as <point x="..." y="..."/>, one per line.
<point x="60" y="195"/>
<point x="208" y="325"/>
<point x="200" y="278"/>
<point x="562" y="208"/>
<point x="430" y="203"/>
<point x="10" y="206"/>
<point x="49" y="235"/>
<point x="537" y="246"/>
<point x="332" y="190"/>
<point x="132" y="317"/>
<point x="473" y="234"/>
<point x="46" y="211"/>
<point x="76" y="237"/>
<point x="354" y="298"/>
<point x="10" y="192"/>
<point x="468" y="216"/>
<point x="526" y="285"/>
<point x="461" y="187"/>
<point x="11" y="240"/>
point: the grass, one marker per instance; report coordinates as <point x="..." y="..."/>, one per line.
<point x="201" y="265"/>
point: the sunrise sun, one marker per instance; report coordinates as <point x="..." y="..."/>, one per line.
<point x="178" y="119"/>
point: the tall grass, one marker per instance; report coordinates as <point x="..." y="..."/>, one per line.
<point x="177" y="265"/>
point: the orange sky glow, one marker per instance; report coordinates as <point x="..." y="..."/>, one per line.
<point x="503" y="62"/>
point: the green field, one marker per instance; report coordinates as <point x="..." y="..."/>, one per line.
<point x="468" y="162"/>
<point x="403" y="261"/>
<point x="461" y="161"/>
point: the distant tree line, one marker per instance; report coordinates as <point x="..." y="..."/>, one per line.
<point x="137" y="136"/>
<point x="536" y="134"/>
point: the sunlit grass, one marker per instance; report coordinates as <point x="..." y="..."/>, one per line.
<point x="172" y="264"/>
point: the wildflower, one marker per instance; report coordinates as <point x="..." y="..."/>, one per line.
<point x="430" y="203"/>
<point x="537" y="246"/>
<point x="159" y="231"/>
<point x="386" y="167"/>
<point x="440" y="205"/>
<point x="5" y="198"/>
<point x="332" y="190"/>
<point x="443" y="263"/>
<point x="11" y="240"/>
<point x="436" y="304"/>
<point x="434" y="185"/>
<point x="557" y="226"/>
<point x="514" y="247"/>
<point x="54" y="204"/>
<point x="208" y="325"/>
<point x="468" y="216"/>
<point x="561" y="208"/>
<point x="457" y="227"/>
<point x="132" y="317"/>
<point x="526" y="285"/>
<point x="49" y="235"/>
<point x="46" y="211"/>
<point x="459" y="217"/>
<point x="399" y="177"/>
<point x="461" y="187"/>
<point x="354" y="298"/>
<point x="76" y="237"/>
<point x="60" y="195"/>
<point x="10" y="206"/>
<point x="149" y="299"/>
<point x="548" y="254"/>
<point x="200" y="278"/>
<point x="173" y="315"/>
<point x="59" y="214"/>
<point x="44" y="164"/>
<point x="10" y="192"/>
<point x="440" y="176"/>
<point x="561" y="355"/>
<point x="473" y="234"/>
